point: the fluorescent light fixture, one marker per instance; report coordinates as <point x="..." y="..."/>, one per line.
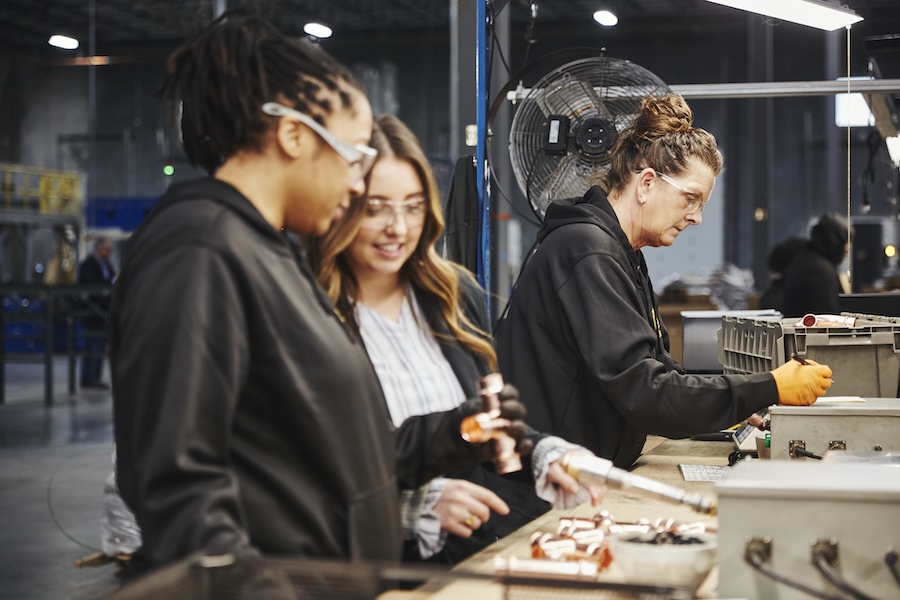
<point x="893" y="146"/>
<point x="814" y="13"/>
<point x="317" y="30"/>
<point x="606" y="18"/>
<point x="63" y="41"/>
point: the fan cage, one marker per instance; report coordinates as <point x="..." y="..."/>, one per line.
<point x="600" y="93"/>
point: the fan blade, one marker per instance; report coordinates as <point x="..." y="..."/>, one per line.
<point x="548" y="175"/>
<point x="574" y="98"/>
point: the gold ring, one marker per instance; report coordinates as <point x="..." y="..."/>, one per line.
<point x="470" y="521"/>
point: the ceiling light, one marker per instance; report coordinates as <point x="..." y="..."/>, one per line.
<point x="606" y="18"/>
<point x="317" y="30"/>
<point x="63" y="41"/>
<point x="814" y="13"/>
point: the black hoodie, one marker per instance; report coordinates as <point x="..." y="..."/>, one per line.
<point x="811" y="283"/>
<point x="583" y="343"/>
<point x="247" y="418"/>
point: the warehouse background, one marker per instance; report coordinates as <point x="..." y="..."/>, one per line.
<point x="786" y="160"/>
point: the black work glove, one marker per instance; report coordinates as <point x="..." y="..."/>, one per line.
<point x="430" y="445"/>
<point x="512" y="410"/>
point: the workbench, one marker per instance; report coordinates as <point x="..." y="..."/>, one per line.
<point x="660" y="461"/>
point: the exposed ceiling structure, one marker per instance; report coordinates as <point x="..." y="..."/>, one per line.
<point x="128" y="30"/>
<point x="140" y="26"/>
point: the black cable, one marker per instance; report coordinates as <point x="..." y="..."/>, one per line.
<point x="755" y="560"/>
<point x="806" y="453"/>
<point x="495" y="181"/>
<point x="52" y="512"/>
<point x="529" y="31"/>
<point x="534" y="160"/>
<point x="820" y="560"/>
<point x="890" y="559"/>
<point x="531" y="252"/>
<point x="528" y="218"/>
<point x="494" y="42"/>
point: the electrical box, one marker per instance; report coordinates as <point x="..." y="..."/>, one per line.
<point x="871" y="425"/>
<point x="784" y="513"/>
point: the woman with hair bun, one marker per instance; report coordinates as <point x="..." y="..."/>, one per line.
<point x="583" y="340"/>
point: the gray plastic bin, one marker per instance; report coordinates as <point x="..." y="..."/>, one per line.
<point x="865" y="359"/>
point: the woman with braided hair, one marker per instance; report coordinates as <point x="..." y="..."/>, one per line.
<point x="248" y="419"/>
<point x="583" y="340"/>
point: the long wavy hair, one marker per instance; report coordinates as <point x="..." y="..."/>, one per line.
<point x="425" y="269"/>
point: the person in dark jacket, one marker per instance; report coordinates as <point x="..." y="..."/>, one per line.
<point x="248" y="419"/>
<point x="97" y="269"/>
<point x="780" y="259"/>
<point x="811" y="282"/>
<point x="423" y="321"/>
<point x="583" y="340"/>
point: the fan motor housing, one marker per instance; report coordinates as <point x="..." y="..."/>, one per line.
<point x="595" y="136"/>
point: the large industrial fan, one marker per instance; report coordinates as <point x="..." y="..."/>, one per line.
<point x="563" y="130"/>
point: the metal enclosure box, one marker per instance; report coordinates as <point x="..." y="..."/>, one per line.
<point x="873" y="425"/>
<point x="789" y="506"/>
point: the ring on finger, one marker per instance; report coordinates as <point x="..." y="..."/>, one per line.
<point x="470" y="521"/>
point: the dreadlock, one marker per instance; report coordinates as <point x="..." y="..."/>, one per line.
<point x="219" y="80"/>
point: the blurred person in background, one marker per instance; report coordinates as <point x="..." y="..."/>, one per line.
<point x="97" y="269"/>
<point x="811" y="282"/>
<point x="780" y="258"/>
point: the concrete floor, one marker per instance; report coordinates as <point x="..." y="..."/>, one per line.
<point x="53" y="464"/>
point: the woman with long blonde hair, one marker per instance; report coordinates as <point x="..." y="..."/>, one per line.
<point x="424" y="324"/>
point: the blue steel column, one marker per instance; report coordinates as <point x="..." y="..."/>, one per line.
<point x="484" y="202"/>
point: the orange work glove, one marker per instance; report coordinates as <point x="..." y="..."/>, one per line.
<point x="801" y="384"/>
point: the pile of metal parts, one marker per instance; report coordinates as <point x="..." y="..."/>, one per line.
<point x="579" y="549"/>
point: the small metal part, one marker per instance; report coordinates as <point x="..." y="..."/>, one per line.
<point x="93" y="560"/>
<point x="574" y="523"/>
<point x="588" y="536"/>
<point x="761" y="547"/>
<point x="593" y="469"/>
<point x="828" y="549"/>
<point x="837" y="445"/>
<point x="488" y="427"/>
<point x="629" y="528"/>
<point x="580" y="570"/>
<point x="795" y="445"/>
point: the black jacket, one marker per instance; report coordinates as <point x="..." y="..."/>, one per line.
<point x="516" y="489"/>
<point x="91" y="272"/>
<point x="96" y="306"/>
<point x="811" y="282"/>
<point x="583" y="343"/>
<point x="247" y="418"/>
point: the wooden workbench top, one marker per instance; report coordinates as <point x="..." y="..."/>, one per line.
<point x="660" y="461"/>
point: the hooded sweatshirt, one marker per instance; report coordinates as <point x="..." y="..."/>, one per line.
<point x="811" y="282"/>
<point x="583" y="342"/>
<point x="248" y="419"/>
